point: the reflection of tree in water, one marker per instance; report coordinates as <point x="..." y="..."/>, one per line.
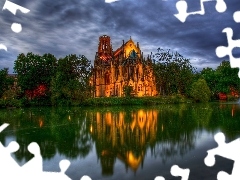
<point x="202" y="113"/>
<point x="55" y="130"/>
<point x="226" y="119"/>
<point x="178" y="126"/>
<point x="175" y="135"/>
<point x="169" y="150"/>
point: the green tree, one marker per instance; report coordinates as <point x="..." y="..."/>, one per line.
<point x="200" y="91"/>
<point x="173" y="72"/>
<point x="227" y="77"/>
<point x="5" y="81"/>
<point x="222" y="79"/>
<point x="211" y="78"/>
<point x="71" y="83"/>
<point x="35" y="71"/>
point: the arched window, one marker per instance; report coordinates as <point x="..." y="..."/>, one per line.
<point x="133" y="54"/>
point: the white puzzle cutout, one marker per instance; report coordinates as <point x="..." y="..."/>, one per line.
<point x="227" y="150"/>
<point x="182" y="7"/>
<point x="33" y="169"/>
<point x="12" y="7"/>
<point x="110" y="1"/>
<point x="177" y="171"/>
<point x="236" y="16"/>
<point x="16" y="27"/>
<point x="222" y="51"/>
<point x="7" y="163"/>
<point x="2" y="46"/>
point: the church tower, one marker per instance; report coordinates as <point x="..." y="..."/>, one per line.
<point x="104" y="49"/>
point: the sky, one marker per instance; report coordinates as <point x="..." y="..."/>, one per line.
<point x="63" y="27"/>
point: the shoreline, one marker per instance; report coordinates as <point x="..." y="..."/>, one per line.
<point x="109" y="101"/>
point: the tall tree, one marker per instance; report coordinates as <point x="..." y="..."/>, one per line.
<point x="209" y="75"/>
<point x="174" y="73"/>
<point x="34" y="73"/>
<point x="71" y="83"/>
<point x="223" y="79"/>
<point x="227" y="77"/>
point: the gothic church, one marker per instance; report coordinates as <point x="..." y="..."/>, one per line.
<point x="126" y="66"/>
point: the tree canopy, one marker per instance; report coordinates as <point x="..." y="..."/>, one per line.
<point x="71" y="82"/>
<point x="173" y="72"/>
<point x="200" y="91"/>
<point x="223" y="79"/>
<point x="34" y="73"/>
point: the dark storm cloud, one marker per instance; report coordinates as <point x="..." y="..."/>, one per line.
<point x="64" y="27"/>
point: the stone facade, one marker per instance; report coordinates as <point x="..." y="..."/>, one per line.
<point x="126" y="66"/>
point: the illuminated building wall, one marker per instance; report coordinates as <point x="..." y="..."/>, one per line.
<point x="126" y="66"/>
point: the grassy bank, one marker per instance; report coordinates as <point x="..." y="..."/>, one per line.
<point x="118" y="101"/>
<point x="104" y="101"/>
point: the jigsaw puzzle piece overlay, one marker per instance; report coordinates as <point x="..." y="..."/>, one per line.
<point x="227" y="150"/>
<point x="12" y="7"/>
<point x="222" y="51"/>
<point x="236" y="16"/>
<point x="3" y="126"/>
<point x="85" y="178"/>
<point x="64" y="164"/>
<point x="182" y="7"/>
<point x="33" y="169"/>
<point x="110" y="1"/>
<point x="176" y="171"/>
<point x="7" y="164"/>
<point x="159" y="178"/>
<point x="2" y="46"/>
<point x="16" y="27"/>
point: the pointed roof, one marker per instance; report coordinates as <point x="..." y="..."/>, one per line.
<point x="128" y="46"/>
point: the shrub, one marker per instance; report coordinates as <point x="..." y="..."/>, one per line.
<point x="10" y="103"/>
<point x="200" y="91"/>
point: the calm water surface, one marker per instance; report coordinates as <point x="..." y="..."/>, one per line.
<point x="124" y="142"/>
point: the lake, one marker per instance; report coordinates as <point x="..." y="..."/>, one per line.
<point x="124" y="142"/>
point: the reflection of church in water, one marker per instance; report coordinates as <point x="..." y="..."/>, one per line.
<point x="123" y="136"/>
<point x="113" y="70"/>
